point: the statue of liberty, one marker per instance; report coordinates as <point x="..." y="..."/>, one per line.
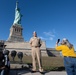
<point x="18" y="15"/>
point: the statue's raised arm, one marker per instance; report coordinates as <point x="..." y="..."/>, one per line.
<point x="18" y="15"/>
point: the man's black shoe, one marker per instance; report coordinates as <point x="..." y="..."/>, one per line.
<point x="33" y="71"/>
<point x="41" y="72"/>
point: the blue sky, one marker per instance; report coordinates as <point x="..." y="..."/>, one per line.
<point x="51" y="19"/>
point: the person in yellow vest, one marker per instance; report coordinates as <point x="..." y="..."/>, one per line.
<point x="35" y="43"/>
<point x="69" y="55"/>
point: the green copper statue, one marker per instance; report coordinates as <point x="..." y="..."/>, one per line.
<point x="18" y="15"/>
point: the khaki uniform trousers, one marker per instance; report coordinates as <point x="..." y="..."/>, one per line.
<point x="36" y="52"/>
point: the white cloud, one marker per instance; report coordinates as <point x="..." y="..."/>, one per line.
<point x="51" y="38"/>
<point x="49" y="35"/>
<point x="43" y="38"/>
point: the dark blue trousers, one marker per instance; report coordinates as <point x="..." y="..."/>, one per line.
<point x="70" y="65"/>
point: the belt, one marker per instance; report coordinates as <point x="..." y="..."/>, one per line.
<point x="69" y="57"/>
<point x="35" y="46"/>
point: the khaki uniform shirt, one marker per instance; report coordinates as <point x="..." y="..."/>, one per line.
<point x="35" y="41"/>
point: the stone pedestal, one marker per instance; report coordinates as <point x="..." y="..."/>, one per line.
<point x="16" y="33"/>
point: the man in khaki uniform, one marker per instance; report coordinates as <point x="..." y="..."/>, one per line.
<point x="35" y="43"/>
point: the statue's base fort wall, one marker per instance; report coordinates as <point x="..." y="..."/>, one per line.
<point x="26" y="49"/>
